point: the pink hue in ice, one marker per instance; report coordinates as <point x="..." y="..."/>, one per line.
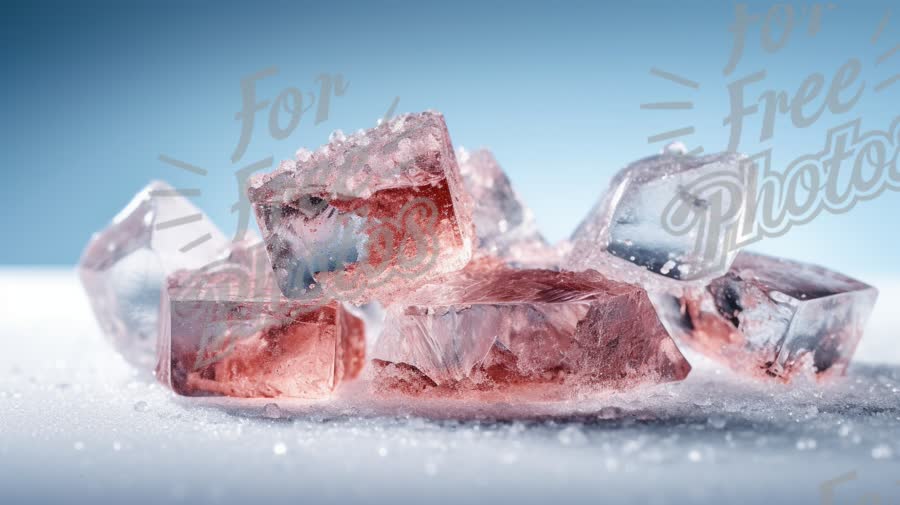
<point x="504" y="225"/>
<point x="368" y="216"/>
<point x="773" y="318"/>
<point x="225" y="330"/>
<point x="528" y="334"/>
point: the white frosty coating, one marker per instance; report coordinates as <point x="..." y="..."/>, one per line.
<point x="352" y="166"/>
<point x="675" y="148"/>
<point x="124" y="266"/>
<point x="623" y="235"/>
<point x="70" y="408"/>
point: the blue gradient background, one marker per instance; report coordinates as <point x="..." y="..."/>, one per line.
<point x="93" y="93"/>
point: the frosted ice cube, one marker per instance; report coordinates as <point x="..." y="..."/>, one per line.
<point x="367" y="216"/>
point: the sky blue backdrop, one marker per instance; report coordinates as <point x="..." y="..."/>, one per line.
<point x="93" y="94"/>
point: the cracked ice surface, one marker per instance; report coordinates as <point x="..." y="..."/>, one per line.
<point x="77" y="424"/>
<point x="518" y="335"/>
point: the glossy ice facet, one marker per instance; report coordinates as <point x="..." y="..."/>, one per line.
<point x="227" y="330"/>
<point x="531" y="334"/>
<point x="772" y="317"/>
<point x="367" y="216"/>
<point x="665" y="218"/>
<point x="123" y="267"/>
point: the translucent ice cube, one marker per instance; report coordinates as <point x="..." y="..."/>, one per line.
<point x="665" y="218"/>
<point x="772" y="317"/>
<point x="124" y="266"/>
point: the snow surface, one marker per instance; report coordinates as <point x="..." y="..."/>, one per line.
<point x="78" y="424"/>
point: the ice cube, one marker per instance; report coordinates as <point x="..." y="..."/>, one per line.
<point x="666" y="220"/>
<point x="773" y="317"/>
<point x="525" y="334"/>
<point x="367" y="216"/>
<point x="123" y="267"/>
<point x="227" y="330"/>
